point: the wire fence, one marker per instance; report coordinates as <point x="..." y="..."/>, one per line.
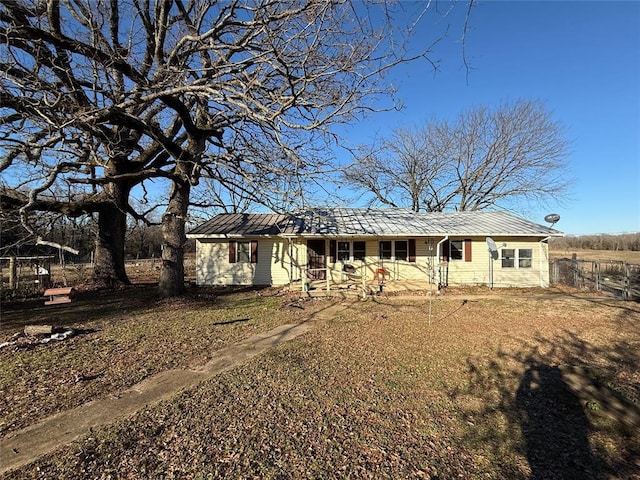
<point x="22" y="277"/>
<point x="25" y="275"/>
<point x="613" y="276"/>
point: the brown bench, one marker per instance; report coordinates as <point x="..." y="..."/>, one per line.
<point x="58" y="295"/>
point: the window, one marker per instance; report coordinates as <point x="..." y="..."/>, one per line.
<point x="343" y="251"/>
<point x="520" y="258"/>
<point x="401" y="250"/>
<point x="456" y="249"/>
<point x="243" y="252"/>
<point x="508" y="255"/>
<point x="359" y="250"/>
<point x="524" y="257"/>
<point x="385" y="250"/>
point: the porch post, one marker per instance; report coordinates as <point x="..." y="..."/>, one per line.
<point x="304" y="268"/>
<point x="327" y="248"/>
<point x="290" y="263"/>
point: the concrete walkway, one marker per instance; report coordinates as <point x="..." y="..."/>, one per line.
<point x="24" y="446"/>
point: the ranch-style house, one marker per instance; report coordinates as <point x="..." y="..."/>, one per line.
<point x="333" y="248"/>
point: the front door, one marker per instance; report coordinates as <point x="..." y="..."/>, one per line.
<point x="316" y="252"/>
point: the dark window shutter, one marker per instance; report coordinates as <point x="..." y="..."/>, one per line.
<point x="467" y="250"/>
<point x="445" y="251"/>
<point x="412" y="249"/>
<point x="232" y="251"/>
<point x="332" y="251"/>
<point x="254" y="251"/>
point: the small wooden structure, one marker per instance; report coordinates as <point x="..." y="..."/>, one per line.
<point x="25" y="272"/>
<point x="59" y="295"/>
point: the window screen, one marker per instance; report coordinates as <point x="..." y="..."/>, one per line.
<point x="385" y="250"/>
<point x="524" y="257"/>
<point x="401" y="249"/>
<point x="244" y="252"/>
<point x="343" y="251"/>
<point x="456" y="249"/>
<point x="508" y="257"/>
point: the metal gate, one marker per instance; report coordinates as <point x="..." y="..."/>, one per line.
<point x="620" y="278"/>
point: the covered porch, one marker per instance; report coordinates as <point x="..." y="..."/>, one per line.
<point x="368" y="265"/>
<point x="365" y="285"/>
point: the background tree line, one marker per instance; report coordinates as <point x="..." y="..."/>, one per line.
<point x="143" y="240"/>
<point x="620" y="242"/>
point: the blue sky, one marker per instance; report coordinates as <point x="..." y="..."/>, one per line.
<point x="582" y="59"/>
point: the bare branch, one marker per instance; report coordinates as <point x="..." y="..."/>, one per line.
<point x="488" y="158"/>
<point x="101" y="95"/>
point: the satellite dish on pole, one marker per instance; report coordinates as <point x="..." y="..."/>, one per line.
<point x="493" y="255"/>
<point x="493" y="249"/>
<point x="552" y="218"/>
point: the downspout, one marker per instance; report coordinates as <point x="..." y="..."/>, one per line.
<point x="546" y="239"/>
<point x="438" y="246"/>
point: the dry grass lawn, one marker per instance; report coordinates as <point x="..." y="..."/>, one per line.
<point x="124" y="337"/>
<point x="478" y="390"/>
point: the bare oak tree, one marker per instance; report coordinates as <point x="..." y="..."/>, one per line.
<point x="103" y="95"/>
<point x="486" y="158"/>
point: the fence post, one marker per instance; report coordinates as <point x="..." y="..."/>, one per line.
<point x="597" y="268"/>
<point x="574" y="267"/>
<point x="13" y="276"/>
<point x="626" y="293"/>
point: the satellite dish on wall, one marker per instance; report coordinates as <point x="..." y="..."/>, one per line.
<point x="493" y="249"/>
<point x="552" y="218"/>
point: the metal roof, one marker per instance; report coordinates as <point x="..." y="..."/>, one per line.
<point x="376" y="222"/>
<point x="249" y="225"/>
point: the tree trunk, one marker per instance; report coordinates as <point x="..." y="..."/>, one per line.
<point x="174" y="238"/>
<point x="175" y="217"/>
<point x="109" y="270"/>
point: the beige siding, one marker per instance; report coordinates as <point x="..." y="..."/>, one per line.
<point x="460" y="272"/>
<point x="281" y="261"/>
<point x="477" y="272"/>
<point x="274" y="267"/>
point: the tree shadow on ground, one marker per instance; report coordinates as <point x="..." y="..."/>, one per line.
<point x="85" y="306"/>
<point x="568" y="406"/>
<point x="100" y="304"/>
